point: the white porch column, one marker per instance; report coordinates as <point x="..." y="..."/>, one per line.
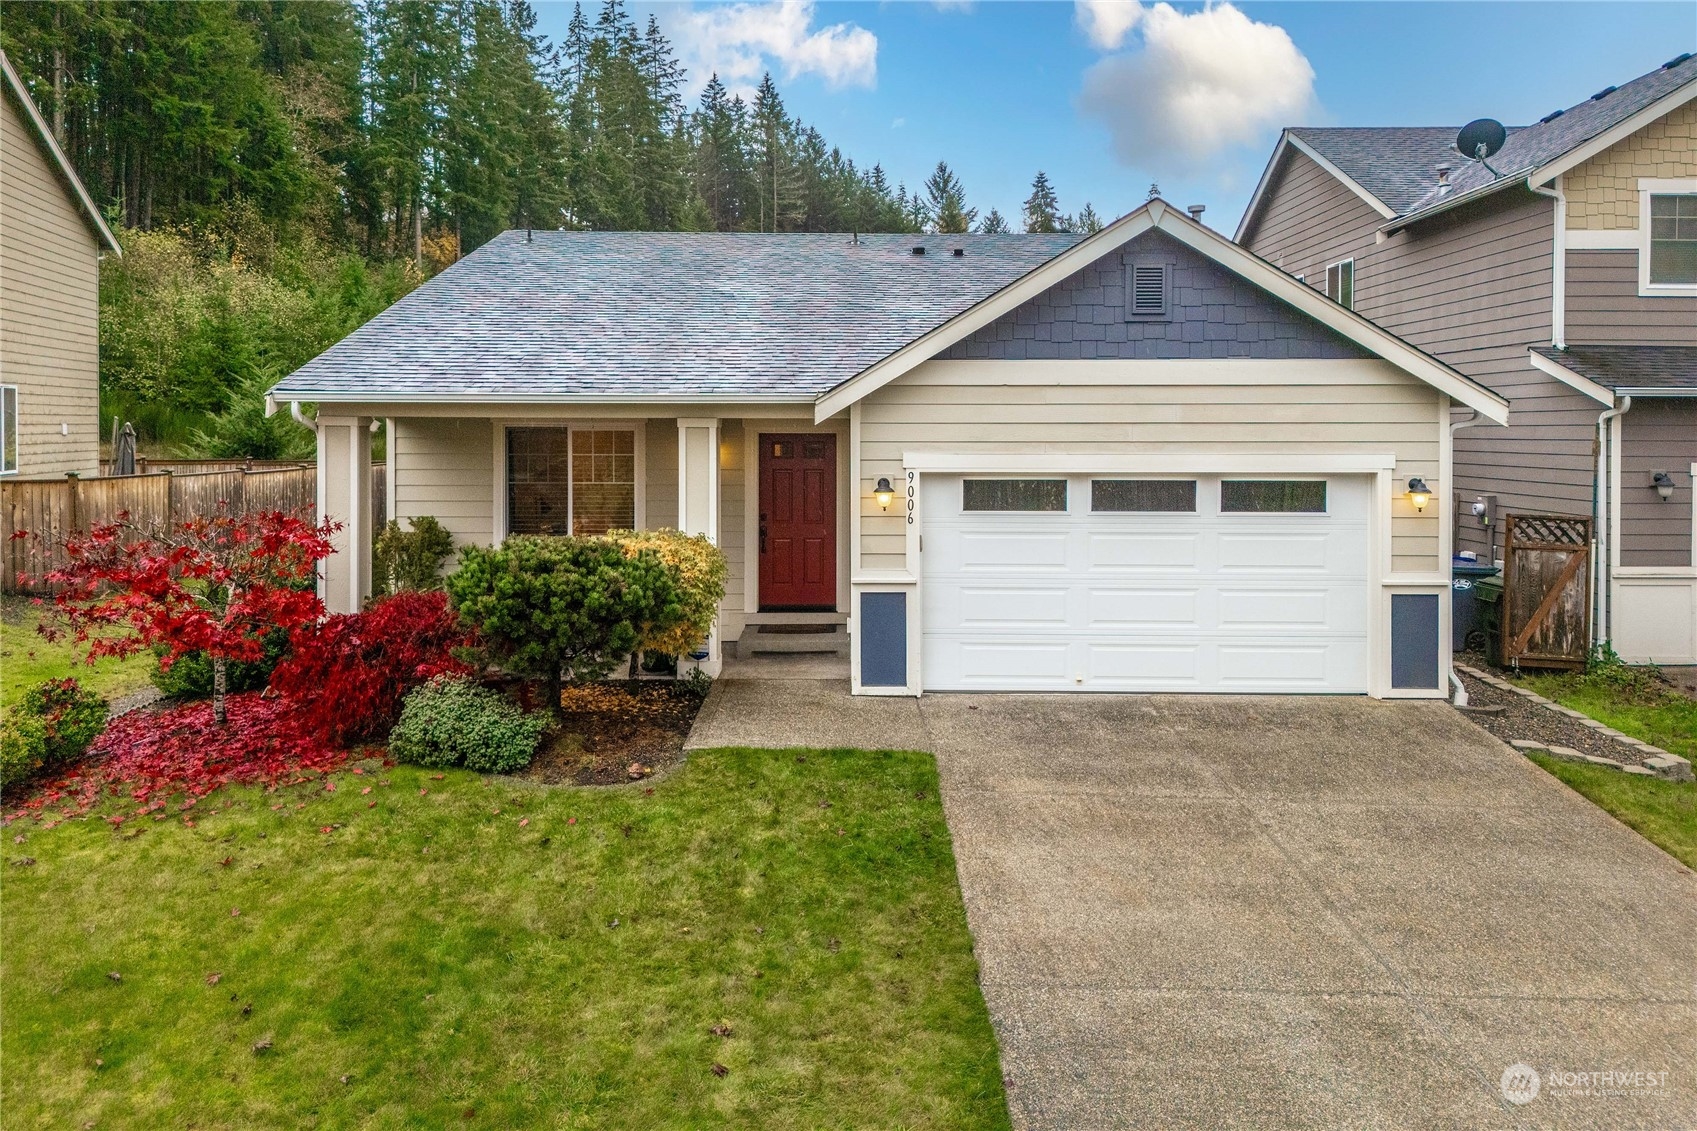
<point x="698" y="502"/>
<point x="344" y="496"/>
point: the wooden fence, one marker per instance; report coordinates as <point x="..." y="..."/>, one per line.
<point x="1546" y="616"/>
<point x="55" y="508"/>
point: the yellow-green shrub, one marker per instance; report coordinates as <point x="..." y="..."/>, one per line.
<point x="698" y="568"/>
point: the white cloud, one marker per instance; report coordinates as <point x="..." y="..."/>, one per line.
<point x="739" y="42"/>
<point x="1204" y="81"/>
<point x="953" y="5"/>
<point x="1107" y="22"/>
<point x="898" y="123"/>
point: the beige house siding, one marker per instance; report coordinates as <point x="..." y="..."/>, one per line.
<point x="1603" y="192"/>
<point x="989" y="406"/>
<point x="49" y="308"/>
<point x="446" y="469"/>
<point x="1657" y="435"/>
<point x="1311" y="220"/>
<point x="1604" y="306"/>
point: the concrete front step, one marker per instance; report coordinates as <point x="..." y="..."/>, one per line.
<point x="831" y="639"/>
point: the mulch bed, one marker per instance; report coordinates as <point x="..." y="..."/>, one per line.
<point x="1522" y="718"/>
<point x="616" y="732"/>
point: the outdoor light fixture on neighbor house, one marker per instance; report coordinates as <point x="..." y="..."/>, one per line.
<point x="1663" y="483"/>
<point x="1418" y="493"/>
<point x="884" y="493"/>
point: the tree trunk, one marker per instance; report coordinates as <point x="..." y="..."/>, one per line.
<point x="220" y="683"/>
<point x="59" y="77"/>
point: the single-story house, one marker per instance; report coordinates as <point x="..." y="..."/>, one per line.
<point x="1143" y="460"/>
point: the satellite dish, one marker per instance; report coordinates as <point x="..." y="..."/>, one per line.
<point x="1481" y="138"/>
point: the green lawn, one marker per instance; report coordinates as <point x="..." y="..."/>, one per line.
<point x="432" y="962"/>
<point x="26" y="658"/>
<point x="1664" y="812"/>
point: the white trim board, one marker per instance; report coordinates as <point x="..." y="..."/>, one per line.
<point x="1175" y="462"/>
<point x="1289" y="141"/>
<point x="1205" y="241"/>
<point x="1578" y="382"/>
<point x="1157" y="372"/>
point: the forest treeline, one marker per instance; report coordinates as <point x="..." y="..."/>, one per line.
<point x="282" y="170"/>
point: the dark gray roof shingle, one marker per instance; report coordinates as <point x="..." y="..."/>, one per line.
<point x="1537" y="145"/>
<point x="655" y="314"/>
<point x="1397" y="164"/>
<point x="1630" y="367"/>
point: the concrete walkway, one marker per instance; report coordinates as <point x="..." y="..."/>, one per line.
<point x="1260" y="912"/>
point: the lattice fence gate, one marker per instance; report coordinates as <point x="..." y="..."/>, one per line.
<point x="1546" y="616"/>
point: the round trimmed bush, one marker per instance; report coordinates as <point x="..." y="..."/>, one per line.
<point x="23" y="748"/>
<point x="453" y="722"/>
<point x="49" y="727"/>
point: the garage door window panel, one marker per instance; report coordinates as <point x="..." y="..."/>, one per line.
<point x="1014" y="495"/>
<point x="1143" y="496"/>
<point x="1273" y="496"/>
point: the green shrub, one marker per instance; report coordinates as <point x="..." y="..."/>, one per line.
<point x="410" y="559"/>
<point x="453" y="722"/>
<point x="49" y="727"/>
<point x="23" y="747"/>
<point x="546" y="605"/>
<point x="698" y="570"/>
<point x="191" y="676"/>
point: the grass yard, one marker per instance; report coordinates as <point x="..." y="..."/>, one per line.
<point x="26" y="659"/>
<point x="1663" y="812"/>
<point x="1633" y="702"/>
<point x="479" y="951"/>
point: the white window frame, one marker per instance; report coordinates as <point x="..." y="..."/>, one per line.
<point x="502" y="427"/>
<point x="9" y="427"/>
<point x="1340" y="264"/>
<point x="1658" y="186"/>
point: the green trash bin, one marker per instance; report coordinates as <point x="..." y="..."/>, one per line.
<point x="1488" y="615"/>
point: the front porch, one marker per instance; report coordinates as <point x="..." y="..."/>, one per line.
<point x="769" y="487"/>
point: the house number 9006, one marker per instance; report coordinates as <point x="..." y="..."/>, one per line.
<point x="911" y="479"/>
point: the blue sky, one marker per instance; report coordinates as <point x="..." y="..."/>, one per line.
<point x="1108" y="95"/>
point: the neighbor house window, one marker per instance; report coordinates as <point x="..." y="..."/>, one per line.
<point x="1340" y="283"/>
<point x="1176" y="496"/>
<point x="570" y="480"/>
<point x="1273" y="496"/>
<point x="1014" y="495"/>
<point x="8" y="429"/>
<point x="1673" y="239"/>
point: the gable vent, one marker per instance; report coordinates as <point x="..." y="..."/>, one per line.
<point x="1148" y="287"/>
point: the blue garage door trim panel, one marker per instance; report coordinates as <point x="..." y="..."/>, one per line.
<point x="1414" y="641"/>
<point x="883" y="639"/>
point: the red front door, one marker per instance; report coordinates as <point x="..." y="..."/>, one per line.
<point x="798" y="521"/>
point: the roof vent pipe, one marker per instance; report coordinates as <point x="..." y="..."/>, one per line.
<point x="1196" y="211"/>
<point x="1444" y="175"/>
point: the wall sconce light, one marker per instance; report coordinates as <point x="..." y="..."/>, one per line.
<point x="1663" y="483"/>
<point x="884" y="493"/>
<point x="1418" y="493"/>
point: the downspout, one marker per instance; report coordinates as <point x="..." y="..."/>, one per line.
<point x="1558" y="281"/>
<point x="1460" y="698"/>
<point x="1600" y="599"/>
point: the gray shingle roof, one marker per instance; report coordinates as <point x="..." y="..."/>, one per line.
<point x="1538" y="145"/>
<point x="1397" y="164"/>
<point x="656" y="314"/>
<point x="1630" y="367"/>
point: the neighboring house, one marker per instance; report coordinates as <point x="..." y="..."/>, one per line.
<point x="51" y="241"/>
<point x="1563" y="275"/>
<point x="1139" y="461"/>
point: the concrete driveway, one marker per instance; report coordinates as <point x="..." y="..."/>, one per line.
<point x="1219" y="912"/>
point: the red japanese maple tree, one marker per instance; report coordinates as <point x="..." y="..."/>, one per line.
<point x="213" y="584"/>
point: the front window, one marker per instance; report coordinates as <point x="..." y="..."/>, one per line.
<point x="1673" y="239"/>
<point x="8" y="429"/>
<point x="570" y="481"/>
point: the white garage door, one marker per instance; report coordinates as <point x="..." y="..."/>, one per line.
<point x="1101" y="583"/>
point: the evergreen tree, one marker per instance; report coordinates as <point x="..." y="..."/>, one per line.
<point x="1088" y="221"/>
<point x="948" y="201"/>
<point x="993" y="224"/>
<point x="1042" y="208"/>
